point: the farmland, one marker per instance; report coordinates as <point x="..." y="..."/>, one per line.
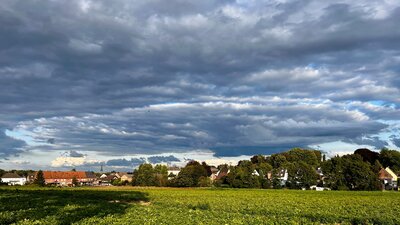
<point x="127" y="205"/>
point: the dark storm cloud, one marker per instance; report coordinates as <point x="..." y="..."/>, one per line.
<point x="396" y="140"/>
<point x="9" y="146"/>
<point x="244" y="150"/>
<point x="74" y="154"/>
<point x="221" y="125"/>
<point x="372" y="141"/>
<point x="98" y="75"/>
<point x="163" y="159"/>
<point x="133" y="162"/>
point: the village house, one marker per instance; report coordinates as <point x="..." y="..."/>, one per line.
<point x="173" y="171"/>
<point x="64" y="178"/>
<point x="107" y="180"/>
<point x="126" y="177"/>
<point x="13" y="179"/>
<point x="388" y="179"/>
<point x="30" y="178"/>
<point x="222" y="173"/>
<point x="255" y="173"/>
<point x="214" y="171"/>
<point x="282" y="176"/>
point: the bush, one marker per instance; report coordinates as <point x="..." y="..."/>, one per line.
<point x="205" y="182"/>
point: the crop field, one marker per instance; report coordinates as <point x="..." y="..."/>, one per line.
<point x="194" y="206"/>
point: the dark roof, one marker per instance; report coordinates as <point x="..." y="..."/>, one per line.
<point x="31" y="174"/>
<point x="174" y="168"/>
<point x="109" y="178"/>
<point x="91" y="175"/>
<point x="214" y="169"/>
<point x="11" y="175"/>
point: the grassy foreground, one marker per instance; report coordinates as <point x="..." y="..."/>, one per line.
<point x="195" y="206"/>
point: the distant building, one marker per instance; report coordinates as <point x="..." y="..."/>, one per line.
<point x="13" y="179"/>
<point x="173" y="171"/>
<point x="106" y="180"/>
<point x="64" y="178"/>
<point x="127" y="177"/>
<point x="214" y="172"/>
<point x="30" y="178"/>
<point x="222" y="173"/>
<point x="282" y="176"/>
<point x="214" y="169"/>
<point x="388" y="178"/>
<point x="316" y="188"/>
<point x="255" y="173"/>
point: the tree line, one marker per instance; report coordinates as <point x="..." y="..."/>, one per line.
<point x="294" y="169"/>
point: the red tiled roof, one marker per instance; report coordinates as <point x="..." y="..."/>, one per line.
<point x="66" y="175"/>
<point x="221" y="175"/>
<point x="383" y="174"/>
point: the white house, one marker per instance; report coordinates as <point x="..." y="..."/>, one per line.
<point x="173" y="171"/>
<point x="255" y="173"/>
<point x="316" y="188"/>
<point x="127" y="177"/>
<point x="388" y="178"/>
<point x="283" y="176"/>
<point x="13" y="179"/>
<point x="214" y="172"/>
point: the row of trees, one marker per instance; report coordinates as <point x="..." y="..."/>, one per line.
<point x="258" y="172"/>
<point x="192" y="175"/>
<point x="147" y="175"/>
<point x="359" y="171"/>
<point x="304" y="168"/>
<point x="268" y="172"/>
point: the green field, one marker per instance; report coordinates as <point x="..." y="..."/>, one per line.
<point x="195" y="206"/>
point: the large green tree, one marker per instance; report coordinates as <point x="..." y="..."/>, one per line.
<point x="75" y="182"/>
<point x="311" y="157"/>
<point x="350" y="172"/>
<point x="39" y="179"/>
<point x="390" y="158"/>
<point x="161" y="175"/>
<point x="189" y="175"/>
<point x="304" y="175"/>
<point x="242" y="176"/>
<point x="144" y="175"/>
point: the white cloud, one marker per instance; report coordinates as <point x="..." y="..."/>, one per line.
<point x="71" y="161"/>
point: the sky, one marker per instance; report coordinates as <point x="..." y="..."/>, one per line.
<point x="118" y="83"/>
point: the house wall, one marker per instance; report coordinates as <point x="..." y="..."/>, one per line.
<point x="14" y="181"/>
<point x="392" y="174"/>
<point x="126" y="178"/>
<point x="66" y="182"/>
<point x="174" y="172"/>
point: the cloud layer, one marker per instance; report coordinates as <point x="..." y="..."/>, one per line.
<point x="233" y="77"/>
